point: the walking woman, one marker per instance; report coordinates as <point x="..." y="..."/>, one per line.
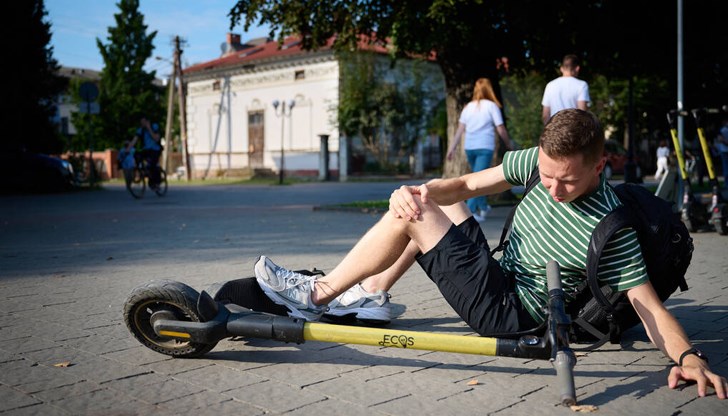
<point x="479" y="121"/>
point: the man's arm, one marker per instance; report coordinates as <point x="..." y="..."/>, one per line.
<point x="668" y="335"/>
<point x="447" y="191"/>
<point x="582" y="105"/>
<point x="150" y="128"/>
<point x="155" y="135"/>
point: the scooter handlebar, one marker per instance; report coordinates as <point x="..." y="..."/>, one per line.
<point x="564" y="359"/>
<point x="553" y="275"/>
<point x="564" y="366"/>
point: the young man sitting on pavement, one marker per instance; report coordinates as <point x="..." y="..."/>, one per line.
<point x="430" y="224"/>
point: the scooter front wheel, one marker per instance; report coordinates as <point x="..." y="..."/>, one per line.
<point x="163" y="299"/>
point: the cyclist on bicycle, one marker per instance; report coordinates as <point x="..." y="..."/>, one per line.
<point x="152" y="148"/>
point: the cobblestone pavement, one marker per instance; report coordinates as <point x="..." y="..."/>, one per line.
<point x="68" y="261"/>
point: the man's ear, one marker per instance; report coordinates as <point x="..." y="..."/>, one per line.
<point x="600" y="165"/>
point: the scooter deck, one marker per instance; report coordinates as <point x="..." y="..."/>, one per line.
<point x="245" y="292"/>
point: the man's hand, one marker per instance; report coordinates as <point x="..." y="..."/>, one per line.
<point x="402" y="203"/>
<point x="698" y="371"/>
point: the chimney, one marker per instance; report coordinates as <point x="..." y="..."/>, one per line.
<point x="232" y="44"/>
<point x="233" y="39"/>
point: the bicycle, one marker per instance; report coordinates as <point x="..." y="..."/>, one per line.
<point x="137" y="179"/>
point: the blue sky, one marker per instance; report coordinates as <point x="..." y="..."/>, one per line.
<point x="75" y="25"/>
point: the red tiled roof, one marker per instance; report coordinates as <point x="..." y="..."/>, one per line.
<point x="291" y="46"/>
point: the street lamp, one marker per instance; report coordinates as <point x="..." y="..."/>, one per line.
<point x="283" y="113"/>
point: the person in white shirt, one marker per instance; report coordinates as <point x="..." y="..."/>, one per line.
<point x="566" y="91"/>
<point x="662" y="154"/>
<point x="479" y="121"/>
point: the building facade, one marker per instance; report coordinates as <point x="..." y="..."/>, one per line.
<point x="233" y="127"/>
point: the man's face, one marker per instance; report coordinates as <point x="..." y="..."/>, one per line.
<point x="568" y="178"/>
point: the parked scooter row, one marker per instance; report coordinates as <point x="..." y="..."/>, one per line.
<point x="697" y="215"/>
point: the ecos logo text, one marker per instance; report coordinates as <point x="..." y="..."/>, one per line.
<point x="398" y="341"/>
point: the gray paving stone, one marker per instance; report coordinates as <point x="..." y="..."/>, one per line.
<point x="225" y="229"/>
<point x="218" y="378"/>
<point x="67" y="391"/>
<point x="159" y="393"/>
<point x="40" y="409"/>
<point x="13" y="399"/>
<point x="277" y="397"/>
<point x="105" y="402"/>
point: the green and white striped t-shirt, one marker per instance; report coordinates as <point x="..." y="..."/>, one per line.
<point x="546" y="230"/>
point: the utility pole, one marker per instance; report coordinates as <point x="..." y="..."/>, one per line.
<point x="182" y="108"/>
<point x="170" y="114"/>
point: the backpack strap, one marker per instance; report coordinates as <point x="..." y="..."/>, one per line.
<point x="603" y="232"/>
<point x="532" y="181"/>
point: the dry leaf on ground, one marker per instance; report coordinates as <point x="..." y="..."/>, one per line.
<point x="63" y="364"/>
<point x="473" y="382"/>
<point x="584" y="408"/>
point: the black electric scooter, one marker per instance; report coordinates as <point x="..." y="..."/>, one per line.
<point x="718" y="211"/>
<point x="173" y="319"/>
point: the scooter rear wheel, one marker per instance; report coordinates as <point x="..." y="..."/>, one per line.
<point x="171" y="300"/>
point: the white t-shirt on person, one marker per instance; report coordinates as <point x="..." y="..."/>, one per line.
<point x="563" y="93"/>
<point x="480" y="119"/>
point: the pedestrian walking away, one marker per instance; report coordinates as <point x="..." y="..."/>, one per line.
<point x="480" y="121"/>
<point x="663" y="152"/>
<point x="567" y="91"/>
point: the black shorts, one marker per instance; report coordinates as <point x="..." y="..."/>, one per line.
<point x="474" y="284"/>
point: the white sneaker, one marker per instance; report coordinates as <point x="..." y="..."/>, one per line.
<point x="290" y="289"/>
<point x="368" y="307"/>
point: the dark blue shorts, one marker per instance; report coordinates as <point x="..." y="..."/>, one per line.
<point x="474" y="284"/>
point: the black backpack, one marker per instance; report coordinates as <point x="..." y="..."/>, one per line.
<point x="599" y="314"/>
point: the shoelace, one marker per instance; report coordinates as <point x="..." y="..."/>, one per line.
<point x="294" y="279"/>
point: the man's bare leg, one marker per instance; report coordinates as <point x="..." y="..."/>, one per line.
<point x="380" y="248"/>
<point x="383" y="246"/>
<point x="457" y="213"/>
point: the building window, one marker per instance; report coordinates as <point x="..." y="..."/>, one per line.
<point x="216" y="85"/>
<point x="300" y="74"/>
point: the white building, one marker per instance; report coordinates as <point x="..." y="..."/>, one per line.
<point x="64" y="103"/>
<point x="232" y="125"/>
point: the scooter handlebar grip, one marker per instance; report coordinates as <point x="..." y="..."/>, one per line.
<point x="553" y="275"/>
<point x="564" y="365"/>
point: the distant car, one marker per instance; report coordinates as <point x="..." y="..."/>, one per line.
<point x="617" y="158"/>
<point x="34" y="172"/>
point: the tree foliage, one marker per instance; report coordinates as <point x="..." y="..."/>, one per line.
<point x="126" y="89"/>
<point x="522" y="93"/>
<point x="617" y="39"/>
<point x="386" y="107"/>
<point x="32" y="83"/>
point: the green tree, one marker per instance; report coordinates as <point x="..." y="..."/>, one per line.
<point x="32" y="83"/>
<point x="522" y="93"/>
<point x="83" y="122"/>
<point x="126" y="89"/>
<point x="619" y="39"/>
<point x="464" y="36"/>
<point x="385" y="106"/>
